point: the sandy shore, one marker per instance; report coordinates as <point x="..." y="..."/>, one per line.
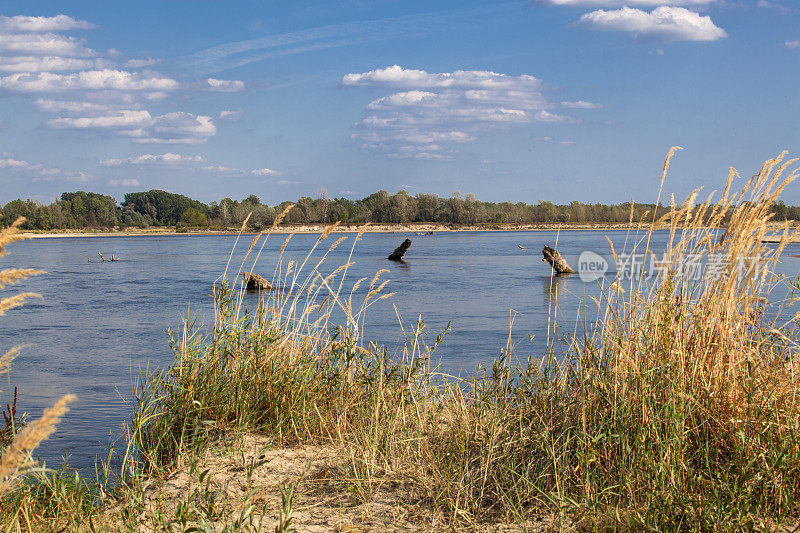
<point x="324" y="499"/>
<point x="413" y="228"/>
<point x="319" y="228"/>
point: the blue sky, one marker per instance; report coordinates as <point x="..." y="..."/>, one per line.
<point x="542" y="100"/>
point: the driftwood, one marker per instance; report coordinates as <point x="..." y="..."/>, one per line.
<point x="558" y="263"/>
<point x="103" y="259"/>
<point x="398" y="253"/>
<point x="254" y="282"/>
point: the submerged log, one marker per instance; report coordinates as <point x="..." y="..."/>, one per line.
<point x="398" y="253"/>
<point x="254" y="282"/>
<point x="558" y="263"/>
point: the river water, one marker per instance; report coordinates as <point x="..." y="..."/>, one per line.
<point x="100" y="324"/>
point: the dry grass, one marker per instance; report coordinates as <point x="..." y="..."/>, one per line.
<point x="677" y="408"/>
<point x="16" y="457"/>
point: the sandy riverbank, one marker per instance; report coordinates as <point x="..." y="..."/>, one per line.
<point x="318" y="228"/>
<point x="775" y="228"/>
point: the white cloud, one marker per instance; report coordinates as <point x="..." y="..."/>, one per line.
<point x="43" y="44"/>
<point x="124" y="119"/>
<point x="792" y="44"/>
<point x="411" y="152"/>
<point x="580" y="104"/>
<point x="80" y="176"/>
<point x="141" y="63"/>
<point x="22" y="23"/>
<point x="150" y="159"/>
<point x="544" y="116"/>
<point x="400" y="99"/>
<point x="220" y="169"/>
<point x="180" y="128"/>
<point x="143" y="128"/>
<point x="665" y="22"/>
<point x="621" y="3"/>
<point x="93" y="93"/>
<point x="92" y="80"/>
<point x="231" y="114"/>
<point x="264" y="172"/>
<point x="423" y="137"/>
<point x="169" y="159"/>
<point x="125" y="182"/>
<point x="37" y="169"/>
<point x="398" y="77"/>
<point x="29" y="64"/>
<point x="142" y="138"/>
<point x="435" y="109"/>
<point x="74" y="107"/>
<point x="226" y="86"/>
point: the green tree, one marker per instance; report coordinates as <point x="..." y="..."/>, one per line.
<point x="89" y="209"/>
<point x="427" y="207"/>
<point x="455" y="206"/>
<point x="164" y="208"/>
<point x="402" y="207"/>
<point x="377" y="206"/>
<point x="13" y="210"/>
<point x="193" y="218"/>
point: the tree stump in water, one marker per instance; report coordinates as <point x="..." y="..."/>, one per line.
<point x="558" y="263"/>
<point x="398" y="253"/>
<point x="254" y="282"/>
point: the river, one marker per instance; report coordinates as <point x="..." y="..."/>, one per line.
<point x="99" y="324"/>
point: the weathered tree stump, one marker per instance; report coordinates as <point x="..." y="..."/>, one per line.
<point x="558" y="263"/>
<point x="254" y="282"/>
<point x="398" y="253"/>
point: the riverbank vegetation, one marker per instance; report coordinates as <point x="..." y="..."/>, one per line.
<point x="155" y="208"/>
<point x="676" y="408"/>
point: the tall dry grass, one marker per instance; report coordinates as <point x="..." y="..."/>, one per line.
<point x="677" y="409"/>
<point x="284" y="368"/>
<point x="16" y="457"/>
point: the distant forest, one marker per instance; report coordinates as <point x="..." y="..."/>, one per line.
<point x="76" y="210"/>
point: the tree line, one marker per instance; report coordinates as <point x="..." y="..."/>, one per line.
<point x="78" y="210"/>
